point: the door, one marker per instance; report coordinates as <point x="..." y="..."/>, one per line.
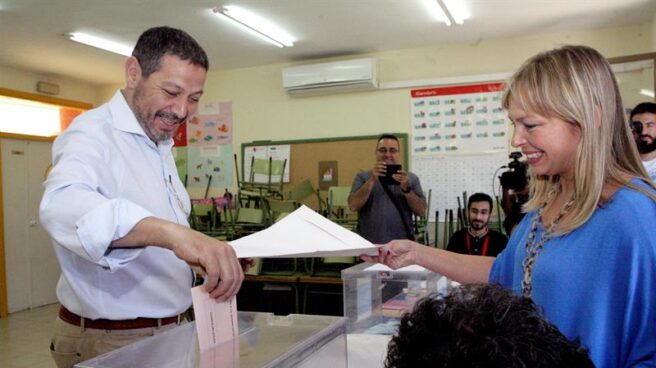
<point x="32" y="270"/>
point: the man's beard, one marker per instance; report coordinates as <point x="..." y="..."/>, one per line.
<point x="478" y="225"/>
<point x="146" y="120"/>
<point x="645" y="146"/>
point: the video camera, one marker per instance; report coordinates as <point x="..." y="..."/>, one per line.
<point x="515" y="178"/>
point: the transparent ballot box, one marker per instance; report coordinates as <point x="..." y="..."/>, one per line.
<point x="265" y="340"/>
<point x="375" y="297"/>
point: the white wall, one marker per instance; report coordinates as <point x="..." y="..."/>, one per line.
<point x="69" y="89"/>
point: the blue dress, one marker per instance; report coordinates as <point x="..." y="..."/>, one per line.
<point x="597" y="282"/>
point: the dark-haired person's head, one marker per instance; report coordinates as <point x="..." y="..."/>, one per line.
<point x="479" y="210"/>
<point x="481" y="326"/>
<point x="156" y="42"/>
<point x="643" y="126"/>
<point x="164" y="80"/>
<point x="388" y="149"/>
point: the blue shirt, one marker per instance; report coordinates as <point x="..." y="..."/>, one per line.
<point x="598" y="282"/>
<point x="107" y="176"/>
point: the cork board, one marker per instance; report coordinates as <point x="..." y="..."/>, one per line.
<point x="352" y="154"/>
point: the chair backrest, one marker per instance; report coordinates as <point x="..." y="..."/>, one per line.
<point x="301" y="191"/>
<point x="338" y="197"/>
<point x="338" y="208"/>
<point x="279" y="208"/>
<point x="250" y="215"/>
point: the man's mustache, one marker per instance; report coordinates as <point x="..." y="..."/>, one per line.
<point x="170" y="116"/>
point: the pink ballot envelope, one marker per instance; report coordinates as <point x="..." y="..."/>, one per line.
<point x="216" y="323"/>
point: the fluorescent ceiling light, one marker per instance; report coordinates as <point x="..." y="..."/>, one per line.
<point x="100" y="43"/>
<point x="447" y="11"/>
<point x="255" y="25"/>
<point x="648" y="93"/>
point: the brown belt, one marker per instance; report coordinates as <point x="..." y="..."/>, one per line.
<point x="108" y="324"/>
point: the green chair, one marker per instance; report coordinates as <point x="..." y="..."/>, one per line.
<point x="421" y="223"/>
<point x="304" y="190"/>
<point x="338" y="208"/>
<point x="278" y="208"/>
<point x="265" y="179"/>
<point x="202" y="217"/>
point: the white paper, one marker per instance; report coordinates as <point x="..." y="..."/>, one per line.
<point x="382" y="267"/>
<point x="216" y="323"/>
<point x="303" y="233"/>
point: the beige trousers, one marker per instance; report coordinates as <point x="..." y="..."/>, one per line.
<point x="73" y="344"/>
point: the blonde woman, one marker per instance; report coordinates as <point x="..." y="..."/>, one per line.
<point x="585" y="252"/>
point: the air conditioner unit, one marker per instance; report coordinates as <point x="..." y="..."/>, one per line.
<point x="338" y="76"/>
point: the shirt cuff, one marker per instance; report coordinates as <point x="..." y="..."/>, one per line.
<point x="111" y="221"/>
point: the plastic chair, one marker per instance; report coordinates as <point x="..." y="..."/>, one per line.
<point x="261" y="181"/>
<point x="202" y="217"/>
<point x="304" y="190"/>
<point x="421" y="223"/>
<point x="279" y="208"/>
<point x="338" y="208"/>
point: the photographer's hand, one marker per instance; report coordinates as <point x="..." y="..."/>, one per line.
<point x="403" y="178"/>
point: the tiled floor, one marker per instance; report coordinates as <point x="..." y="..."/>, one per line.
<point x="25" y="338"/>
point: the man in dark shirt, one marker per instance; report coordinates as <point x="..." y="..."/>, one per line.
<point x="478" y="239"/>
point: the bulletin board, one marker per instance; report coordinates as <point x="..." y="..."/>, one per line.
<point x="460" y="141"/>
<point x="352" y="154"/>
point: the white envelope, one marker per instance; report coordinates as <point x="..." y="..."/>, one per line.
<point x="303" y="233"/>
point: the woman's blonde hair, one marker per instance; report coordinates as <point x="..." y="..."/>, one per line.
<point x="577" y="85"/>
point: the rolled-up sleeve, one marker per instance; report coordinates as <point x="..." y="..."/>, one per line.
<point x="75" y="209"/>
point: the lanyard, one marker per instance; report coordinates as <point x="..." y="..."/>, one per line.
<point x="485" y="243"/>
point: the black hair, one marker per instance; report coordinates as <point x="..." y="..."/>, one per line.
<point x="644" y="107"/>
<point x="388" y="136"/>
<point x="479" y="197"/>
<point x="481" y="325"/>
<point x="157" y="42"/>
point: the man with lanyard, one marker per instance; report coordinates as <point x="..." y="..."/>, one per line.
<point x="478" y="239"/>
<point x="643" y="125"/>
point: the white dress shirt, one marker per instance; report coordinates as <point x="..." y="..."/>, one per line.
<point x="107" y="176"/>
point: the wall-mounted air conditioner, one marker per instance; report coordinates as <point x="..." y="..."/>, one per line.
<point x="338" y="76"/>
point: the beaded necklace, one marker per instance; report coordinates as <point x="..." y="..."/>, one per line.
<point x="534" y="248"/>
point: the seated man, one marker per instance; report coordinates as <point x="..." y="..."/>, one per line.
<point x="481" y="326"/>
<point x="478" y="239"/>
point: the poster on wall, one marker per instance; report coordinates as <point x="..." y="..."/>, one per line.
<point x="457" y="120"/>
<point x="211" y="126"/>
<point x="327" y="174"/>
<point x="277" y="152"/>
<point x="209" y="164"/>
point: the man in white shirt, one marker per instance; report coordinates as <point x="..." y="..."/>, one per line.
<point x="643" y="124"/>
<point x="117" y="211"/>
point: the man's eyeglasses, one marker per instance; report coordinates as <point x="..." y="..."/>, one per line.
<point x="384" y="150"/>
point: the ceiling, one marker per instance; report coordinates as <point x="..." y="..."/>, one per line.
<point x="31" y="31"/>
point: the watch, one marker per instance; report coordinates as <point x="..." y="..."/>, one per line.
<point x="406" y="191"/>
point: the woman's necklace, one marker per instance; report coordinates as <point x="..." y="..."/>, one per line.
<point x="534" y="248"/>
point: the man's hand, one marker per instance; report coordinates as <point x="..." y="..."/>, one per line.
<point x="403" y="178"/>
<point x="395" y="254"/>
<point x="380" y="168"/>
<point x="217" y="260"/>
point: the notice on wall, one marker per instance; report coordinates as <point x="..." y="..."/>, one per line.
<point x="456" y="120"/>
<point x="203" y="147"/>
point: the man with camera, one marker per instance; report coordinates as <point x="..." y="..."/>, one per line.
<point x="387" y="196"/>
<point x="478" y="239"/>
<point x="514" y="184"/>
<point x="643" y="125"/>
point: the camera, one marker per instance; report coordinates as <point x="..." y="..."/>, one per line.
<point x="390" y="170"/>
<point x="515" y="178"/>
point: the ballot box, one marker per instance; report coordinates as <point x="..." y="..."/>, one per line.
<point x="265" y="340"/>
<point x="375" y="297"/>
